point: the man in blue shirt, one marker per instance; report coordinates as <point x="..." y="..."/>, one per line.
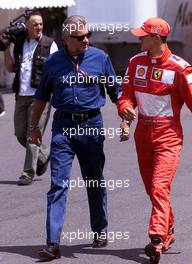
<point x="76" y="77"/>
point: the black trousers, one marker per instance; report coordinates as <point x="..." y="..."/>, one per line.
<point x="2" y="105"/>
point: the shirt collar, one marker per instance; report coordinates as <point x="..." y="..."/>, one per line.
<point x="36" y="39"/>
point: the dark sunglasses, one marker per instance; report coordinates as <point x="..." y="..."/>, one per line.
<point x="81" y="38"/>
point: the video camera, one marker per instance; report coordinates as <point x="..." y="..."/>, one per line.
<point x="16" y="28"/>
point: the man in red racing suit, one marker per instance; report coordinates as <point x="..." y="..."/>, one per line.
<point x="158" y="83"/>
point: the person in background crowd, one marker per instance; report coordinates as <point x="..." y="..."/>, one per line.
<point x="30" y="51"/>
<point x="2" y="106"/>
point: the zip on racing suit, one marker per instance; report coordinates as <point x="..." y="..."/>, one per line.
<point x="158" y="87"/>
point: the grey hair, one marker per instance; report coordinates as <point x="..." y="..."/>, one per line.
<point x="72" y="24"/>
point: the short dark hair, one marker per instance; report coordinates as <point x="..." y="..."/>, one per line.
<point x="164" y="39"/>
<point x="72" y="24"/>
<point x="33" y="13"/>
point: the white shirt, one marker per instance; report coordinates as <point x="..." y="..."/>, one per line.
<point x="26" y="66"/>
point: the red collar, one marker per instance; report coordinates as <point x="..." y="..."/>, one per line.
<point x="159" y="60"/>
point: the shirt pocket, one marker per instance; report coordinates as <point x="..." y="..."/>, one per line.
<point x="92" y="82"/>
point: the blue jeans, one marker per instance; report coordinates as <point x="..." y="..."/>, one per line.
<point x="89" y="150"/>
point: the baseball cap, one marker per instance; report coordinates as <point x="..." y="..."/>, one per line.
<point x="155" y="25"/>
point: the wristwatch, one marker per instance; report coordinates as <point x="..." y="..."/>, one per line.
<point x="127" y="122"/>
<point x="33" y="128"/>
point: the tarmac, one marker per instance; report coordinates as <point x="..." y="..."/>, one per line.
<point x="23" y="208"/>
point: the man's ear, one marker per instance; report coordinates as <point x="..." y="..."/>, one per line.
<point x="158" y="38"/>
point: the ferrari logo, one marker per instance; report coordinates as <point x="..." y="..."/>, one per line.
<point x="157" y="74"/>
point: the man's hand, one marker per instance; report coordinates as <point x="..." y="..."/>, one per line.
<point x="125" y="131"/>
<point x="8" y="60"/>
<point x="129" y="114"/>
<point x="35" y="137"/>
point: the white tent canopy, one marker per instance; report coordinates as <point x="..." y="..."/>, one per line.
<point x="16" y="4"/>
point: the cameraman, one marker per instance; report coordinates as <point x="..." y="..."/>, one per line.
<point x="30" y="51"/>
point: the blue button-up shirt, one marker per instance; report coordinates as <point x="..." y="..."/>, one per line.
<point x="78" y="84"/>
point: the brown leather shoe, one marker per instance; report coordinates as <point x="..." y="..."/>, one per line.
<point x="50" y="252"/>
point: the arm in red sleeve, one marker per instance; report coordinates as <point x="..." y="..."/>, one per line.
<point x="127" y="99"/>
<point x="185" y="88"/>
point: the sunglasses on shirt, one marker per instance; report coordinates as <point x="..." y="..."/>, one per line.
<point x="81" y="38"/>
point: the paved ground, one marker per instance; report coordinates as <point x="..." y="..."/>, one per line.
<point x="23" y="209"/>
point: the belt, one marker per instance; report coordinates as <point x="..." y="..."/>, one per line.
<point x="77" y="116"/>
<point x="157" y="120"/>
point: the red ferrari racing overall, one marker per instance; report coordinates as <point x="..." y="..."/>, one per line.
<point x="158" y="87"/>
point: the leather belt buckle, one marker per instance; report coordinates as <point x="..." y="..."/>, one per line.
<point x="79" y="116"/>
